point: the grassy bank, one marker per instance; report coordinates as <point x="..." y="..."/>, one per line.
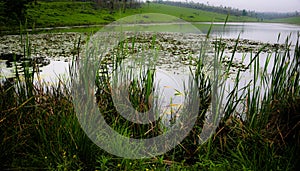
<point x="192" y="15"/>
<point x="291" y="20"/>
<point x="40" y="130"/>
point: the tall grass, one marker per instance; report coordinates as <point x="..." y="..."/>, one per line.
<point x="128" y="90"/>
<point x="39" y="128"/>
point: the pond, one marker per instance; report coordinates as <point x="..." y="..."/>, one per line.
<point x="61" y="47"/>
<point x="175" y="56"/>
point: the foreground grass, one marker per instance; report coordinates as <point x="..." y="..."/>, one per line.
<point x="39" y="128"/>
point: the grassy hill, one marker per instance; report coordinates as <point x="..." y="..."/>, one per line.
<point x="190" y="14"/>
<point x="56" y="14"/>
<point x="49" y="14"/>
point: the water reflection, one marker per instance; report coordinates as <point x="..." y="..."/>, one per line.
<point x="264" y="32"/>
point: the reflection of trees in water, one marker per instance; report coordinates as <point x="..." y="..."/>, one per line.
<point x="20" y="60"/>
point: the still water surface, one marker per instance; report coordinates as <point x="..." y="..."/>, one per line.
<point x="264" y="32"/>
<point x="171" y="80"/>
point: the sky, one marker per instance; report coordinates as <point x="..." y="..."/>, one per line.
<point x="257" y="5"/>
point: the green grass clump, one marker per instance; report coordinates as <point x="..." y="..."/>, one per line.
<point x="39" y="129"/>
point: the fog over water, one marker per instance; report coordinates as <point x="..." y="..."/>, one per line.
<point x="257" y="5"/>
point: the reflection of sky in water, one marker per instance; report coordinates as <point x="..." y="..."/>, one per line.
<point x="264" y="32"/>
<point x="169" y="81"/>
<point x="54" y="72"/>
<point x="50" y="75"/>
<point x="4" y="71"/>
<point x="170" y="90"/>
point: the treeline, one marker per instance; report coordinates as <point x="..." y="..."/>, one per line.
<point x="108" y="4"/>
<point x="229" y="10"/>
<point x="12" y="11"/>
<point x="118" y="4"/>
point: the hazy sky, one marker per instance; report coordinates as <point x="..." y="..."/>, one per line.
<point x="257" y="5"/>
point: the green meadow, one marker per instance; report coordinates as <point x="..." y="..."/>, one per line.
<point x="50" y="14"/>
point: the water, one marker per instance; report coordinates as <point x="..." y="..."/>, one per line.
<point x="172" y="76"/>
<point x="263" y="32"/>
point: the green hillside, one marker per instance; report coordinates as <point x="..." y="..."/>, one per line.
<point x="55" y="14"/>
<point x="49" y="14"/>
<point x="190" y="14"/>
<point x="291" y="20"/>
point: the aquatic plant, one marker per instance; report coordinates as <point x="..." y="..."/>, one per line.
<point x="39" y="128"/>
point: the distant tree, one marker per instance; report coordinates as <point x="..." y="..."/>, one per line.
<point x="113" y="5"/>
<point x="2" y="18"/>
<point x="244" y="13"/>
<point x="15" y="9"/>
<point x="1" y="8"/>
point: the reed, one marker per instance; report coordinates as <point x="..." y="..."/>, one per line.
<point x="39" y="128"/>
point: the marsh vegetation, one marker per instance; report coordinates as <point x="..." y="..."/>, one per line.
<point x="248" y="77"/>
<point x="259" y="128"/>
